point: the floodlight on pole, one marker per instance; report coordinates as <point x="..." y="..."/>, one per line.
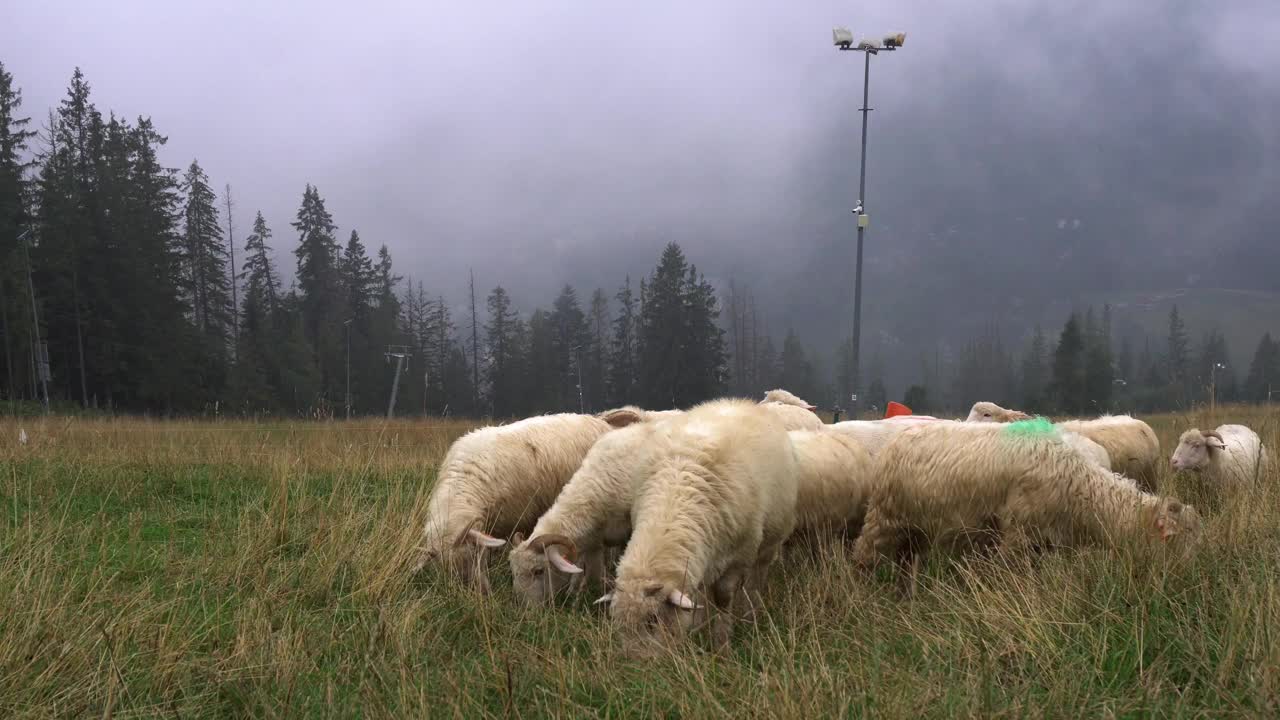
<point x="843" y="40"/>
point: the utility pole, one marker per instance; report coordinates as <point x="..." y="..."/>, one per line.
<point x="347" y="323"/>
<point x="39" y="352"/>
<point x="844" y="41"/>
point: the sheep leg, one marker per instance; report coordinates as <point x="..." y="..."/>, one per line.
<point x="722" y="595"/>
<point x="879" y="538"/>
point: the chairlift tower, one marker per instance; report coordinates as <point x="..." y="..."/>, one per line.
<point x="400" y="353"/>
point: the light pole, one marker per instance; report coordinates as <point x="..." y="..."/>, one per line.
<point x="843" y="40"/>
<point x="347" y="324"/>
<point x="41" y="355"/>
<point x="1213" y="385"/>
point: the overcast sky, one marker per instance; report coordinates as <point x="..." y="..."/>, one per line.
<point x="552" y="141"/>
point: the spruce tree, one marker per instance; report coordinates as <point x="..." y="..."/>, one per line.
<point x="1177" y="357"/>
<point x="208" y="289"/>
<point x="502" y="365"/>
<point x="622" y="350"/>
<point x="320" y="304"/>
<point x="1034" y="363"/>
<point x="662" y="332"/>
<point x="1099" y="377"/>
<point x="570" y="340"/>
<point x="1264" y="371"/>
<point x="596" y="369"/>
<point x="14" y="219"/>
<point x="797" y="372"/>
<point x="1068" y="368"/>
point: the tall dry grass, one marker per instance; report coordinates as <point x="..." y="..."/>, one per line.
<point x="188" y="569"/>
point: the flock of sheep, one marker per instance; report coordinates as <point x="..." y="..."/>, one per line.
<point x="701" y="501"/>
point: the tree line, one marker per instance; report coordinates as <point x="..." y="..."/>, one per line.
<point x="127" y="271"/>
<point x="131" y="274"/>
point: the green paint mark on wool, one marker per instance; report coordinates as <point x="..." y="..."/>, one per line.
<point x="1038" y="427"/>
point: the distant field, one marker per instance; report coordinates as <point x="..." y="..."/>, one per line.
<point x="188" y="569"/>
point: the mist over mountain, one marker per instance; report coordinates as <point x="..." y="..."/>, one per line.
<point x="1023" y="157"/>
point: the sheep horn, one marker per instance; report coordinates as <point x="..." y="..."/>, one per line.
<point x="1221" y="444"/>
<point x="546" y="540"/>
<point x="680" y="600"/>
<point x="481" y="538"/>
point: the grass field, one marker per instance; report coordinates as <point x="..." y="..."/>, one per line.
<point x="184" y="569"/>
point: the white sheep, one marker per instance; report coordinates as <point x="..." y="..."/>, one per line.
<point x="785" y="397"/>
<point x="592" y="512"/>
<point x="497" y="480"/>
<point x="712" y="515"/>
<point x="949" y="484"/>
<point x="833" y="484"/>
<point x="1132" y="446"/>
<point x="874" y="435"/>
<point x="628" y="414"/>
<point x="794" y="418"/>
<point x="1231" y="457"/>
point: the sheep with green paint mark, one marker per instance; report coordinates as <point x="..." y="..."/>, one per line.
<point x="946" y="484"/>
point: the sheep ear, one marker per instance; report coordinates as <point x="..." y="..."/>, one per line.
<point x="814" y="408"/>
<point x="558" y="561"/>
<point x="1019" y="415"/>
<point x="604" y="599"/>
<point x="653" y="588"/>
<point x="485" y="540"/>
<point x="620" y="418"/>
<point x="517" y="540"/>
<point x="680" y="600"/>
<point x="1215" y="443"/>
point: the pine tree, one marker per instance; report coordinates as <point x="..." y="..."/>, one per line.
<point x="256" y="381"/>
<point x="14" y="218"/>
<point x="358" y="279"/>
<point x="320" y="301"/>
<point x="707" y="361"/>
<point x="570" y="342"/>
<point x="596" y="368"/>
<point x="797" y="372"/>
<point x="663" y="328"/>
<point x="501" y="365"/>
<point x="1178" y="358"/>
<point x="622" y="351"/>
<point x="1034" y="363"/>
<point x="1068" y="368"/>
<point x="206" y="256"/>
<point x="1264" y="372"/>
<point x="1099" y="377"/>
<point x="541" y="364"/>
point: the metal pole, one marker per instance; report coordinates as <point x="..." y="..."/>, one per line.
<point x="42" y="359"/>
<point x="862" y="201"/>
<point x="348" y="399"/>
<point x="395" y="386"/>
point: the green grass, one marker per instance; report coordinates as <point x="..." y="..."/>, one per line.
<point x="220" y="570"/>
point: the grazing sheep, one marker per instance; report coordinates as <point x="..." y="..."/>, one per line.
<point x="833" y="484"/>
<point x="1231" y="456"/>
<point x="784" y="397"/>
<point x="984" y="411"/>
<point x="1132" y="446"/>
<point x="712" y="515"/>
<point x="592" y="512"/>
<point x="496" y="480"/>
<point x="874" y="435"/>
<point x="794" y="418"/>
<point x="948" y="483"/>
<point x="628" y="414"/>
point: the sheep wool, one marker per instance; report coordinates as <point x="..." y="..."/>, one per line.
<point x="833" y="484"/>
<point x="1231" y="457"/>
<point x="710" y="517"/>
<point x="945" y="484"/>
<point x="497" y="480"/>
<point x="591" y="513"/>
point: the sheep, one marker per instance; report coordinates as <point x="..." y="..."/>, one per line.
<point x="628" y="414"/>
<point x="592" y="512"/>
<point x="794" y="418"/>
<point x="1132" y="446"/>
<point x="784" y="397"/>
<point x="984" y="411"/>
<point x="833" y="484"/>
<point x="1231" y="456"/>
<point x="713" y="513"/>
<point x="873" y="435"/>
<point x="496" y="480"/>
<point x="946" y="484"/>
<point x="1092" y="451"/>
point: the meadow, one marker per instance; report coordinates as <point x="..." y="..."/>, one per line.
<point x="186" y="569"/>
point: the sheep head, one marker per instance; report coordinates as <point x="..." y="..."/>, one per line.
<point x="1195" y="450"/>
<point x="650" y="613"/>
<point x="465" y="556"/>
<point x="784" y="397"/>
<point x="1173" y="521"/>
<point x="542" y="567"/>
<point x="984" y="411"/>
